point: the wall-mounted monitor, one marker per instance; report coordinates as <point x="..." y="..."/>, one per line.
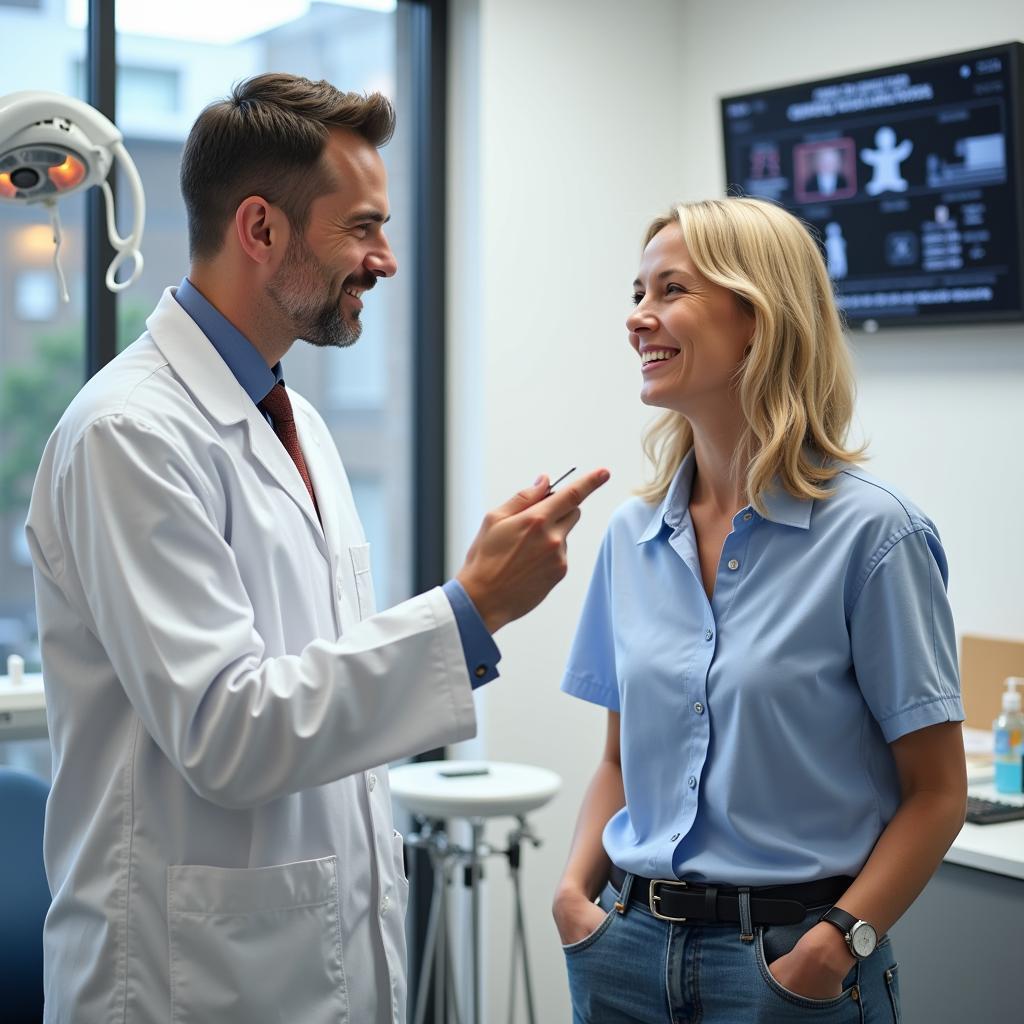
<point x="909" y="176"/>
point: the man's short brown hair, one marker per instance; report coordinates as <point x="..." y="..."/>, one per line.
<point x="266" y="139"/>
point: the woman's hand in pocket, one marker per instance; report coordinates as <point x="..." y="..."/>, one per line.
<point x="576" y="916"/>
<point x="816" y="966"/>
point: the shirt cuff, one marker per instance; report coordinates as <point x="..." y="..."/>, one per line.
<point x="481" y="652"/>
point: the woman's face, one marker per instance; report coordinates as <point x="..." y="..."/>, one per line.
<point x="689" y="333"/>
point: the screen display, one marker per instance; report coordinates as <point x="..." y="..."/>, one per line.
<point x="908" y="177"/>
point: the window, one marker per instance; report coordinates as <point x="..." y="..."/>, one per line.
<point x="35" y="295"/>
<point x="364" y="393"/>
<point x="142" y="93"/>
<point x="383" y="398"/>
<point x="168" y="70"/>
<point x="42" y="340"/>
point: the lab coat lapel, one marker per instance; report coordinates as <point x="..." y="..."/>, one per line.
<point x="207" y="377"/>
<point x="267" y="449"/>
<point x="331" y="487"/>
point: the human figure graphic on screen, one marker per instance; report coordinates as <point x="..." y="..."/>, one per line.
<point x="885" y="159"/>
<point x="835" y="251"/>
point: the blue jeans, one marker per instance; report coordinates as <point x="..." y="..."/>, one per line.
<point x="637" y="969"/>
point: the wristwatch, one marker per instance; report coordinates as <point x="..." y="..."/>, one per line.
<point x="860" y="936"/>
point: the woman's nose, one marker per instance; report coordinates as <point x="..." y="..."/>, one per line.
<point x="639" y="320"/>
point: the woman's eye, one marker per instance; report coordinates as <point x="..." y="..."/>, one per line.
<point x="671" y="288"/>
<point x="637" y="298"/>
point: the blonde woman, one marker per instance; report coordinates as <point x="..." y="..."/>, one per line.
<point x="768" y="628"/>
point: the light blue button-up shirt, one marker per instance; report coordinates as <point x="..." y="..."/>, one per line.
<point x="755" y="727"/>
<point x="256" y="378"/>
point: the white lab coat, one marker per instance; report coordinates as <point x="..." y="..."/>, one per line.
<point x="219" y="840"/>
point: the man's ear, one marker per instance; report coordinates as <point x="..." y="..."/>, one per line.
<point x="261" y="230"/>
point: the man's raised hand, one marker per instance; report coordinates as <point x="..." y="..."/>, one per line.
<point x="519" y="553"/>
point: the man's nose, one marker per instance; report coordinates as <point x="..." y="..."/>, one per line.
<point x="381" y="261"/>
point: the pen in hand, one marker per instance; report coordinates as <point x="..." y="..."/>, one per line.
<point x="551" y="489"/>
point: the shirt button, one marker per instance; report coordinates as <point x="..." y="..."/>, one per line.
<point x="371" y="781"/>
<point x="699" y="708"/>
<point x="339" y="590"/>
<point x="480" y="671"/>
<point x="708" y="634"/>
<point x="692" y="782"/>
<point x="733" y="564"/>
<point x="674" y="838"/>
<point x="748" y="517"/>
<point x="385" y="905"/>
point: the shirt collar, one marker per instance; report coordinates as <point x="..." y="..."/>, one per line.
<point x="785" y="509"/>
<point x="672" y="510"/>
<point x="241" y="356"/>
<point x="780" y="506"/>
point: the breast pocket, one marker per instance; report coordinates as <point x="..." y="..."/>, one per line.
<point x="360" y="555"/>
<point x="256" y="944"/>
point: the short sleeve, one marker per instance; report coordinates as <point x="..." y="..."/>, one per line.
<point x="902" y="636"/>
<point x="590" y="673"/>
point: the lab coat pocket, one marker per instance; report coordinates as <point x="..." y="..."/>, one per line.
<point x="360" y="555"/>
<point x="256" y="944"/>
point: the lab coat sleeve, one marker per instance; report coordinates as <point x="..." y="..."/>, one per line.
<point x="146" y="563"/>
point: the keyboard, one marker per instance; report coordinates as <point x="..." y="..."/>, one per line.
<point x="990" y="812"/>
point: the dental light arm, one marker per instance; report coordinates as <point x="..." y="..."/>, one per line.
<point x="52" y="146"/>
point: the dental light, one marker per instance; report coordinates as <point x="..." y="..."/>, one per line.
<point x="52" y="146"/>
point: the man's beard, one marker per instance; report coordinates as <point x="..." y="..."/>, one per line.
<point x="297" y="291"/>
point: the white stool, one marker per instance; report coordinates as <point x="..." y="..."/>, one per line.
<point x="475" y="790"/>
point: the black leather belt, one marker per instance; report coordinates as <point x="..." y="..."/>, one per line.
<point x="674" y="900"/>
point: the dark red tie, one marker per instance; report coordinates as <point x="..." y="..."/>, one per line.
<point x="278" y="406"/>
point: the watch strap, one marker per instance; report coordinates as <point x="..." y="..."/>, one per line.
<point x="841" y="919"/>
<point x="850" y="927"/>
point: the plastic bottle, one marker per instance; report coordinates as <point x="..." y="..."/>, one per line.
<point x="1008" y="733"/>
<point x="15" y="669"/>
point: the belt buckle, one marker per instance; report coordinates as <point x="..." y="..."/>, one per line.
<point x="653" y="898"/>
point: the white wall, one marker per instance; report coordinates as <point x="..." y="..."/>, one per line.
<point x="943" y="408"/>
<point x="563" y="144"/>
<point x="572" y="124"/>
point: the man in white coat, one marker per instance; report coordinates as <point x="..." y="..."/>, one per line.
<point x="221" y="692"/>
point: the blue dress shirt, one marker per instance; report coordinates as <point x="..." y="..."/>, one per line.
<point x="256" y="378"/>
<point x="755" y="726"/>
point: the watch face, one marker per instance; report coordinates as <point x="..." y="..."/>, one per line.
<point x="863" y="939"/>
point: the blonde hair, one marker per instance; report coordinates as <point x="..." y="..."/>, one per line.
<point x="795" y="384"/>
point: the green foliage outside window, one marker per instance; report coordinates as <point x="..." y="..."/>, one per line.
<point x="35" y="393"/>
